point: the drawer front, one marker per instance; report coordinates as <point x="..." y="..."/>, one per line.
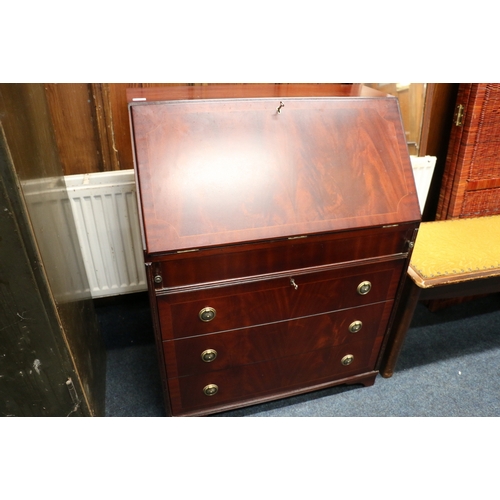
<point x="219" y="351"/>
<point x="279" y="299"/>
<point x="247" y="382"/>
<point x="258" y="259"/>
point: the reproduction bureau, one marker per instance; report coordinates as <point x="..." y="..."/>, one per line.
<point x="278" y="221"/>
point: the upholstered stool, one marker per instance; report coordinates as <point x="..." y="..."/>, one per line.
<point x="451" y="258"/>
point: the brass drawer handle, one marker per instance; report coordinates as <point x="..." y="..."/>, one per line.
<point x="210" y="389"/>
<point x="364" y="287"/>
<point x="209" y="355"/>
<point x="355" y="326"/>
<point x="347" y="359"/>
<point x="207" y="314"/>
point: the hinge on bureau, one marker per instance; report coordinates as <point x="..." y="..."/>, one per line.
<point x="459" y="117"/>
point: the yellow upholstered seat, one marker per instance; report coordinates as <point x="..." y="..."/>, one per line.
<point x="450" y="251"/>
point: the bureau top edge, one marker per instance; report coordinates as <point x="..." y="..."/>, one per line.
<point x="141" y="95"/>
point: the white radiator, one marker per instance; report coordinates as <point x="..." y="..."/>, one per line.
<point x="105" y="211"/>
<point x="423" y="169"/>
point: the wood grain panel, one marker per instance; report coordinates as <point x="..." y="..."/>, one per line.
<point x="73" y="116"/>
<point x="227" y="171"/>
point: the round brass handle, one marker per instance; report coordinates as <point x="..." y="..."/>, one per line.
<point x="207" y="314"/>
<point x="364" y="287"/>
<point x="210" y="389"/>
<point x="209" y="355"/>
<point x="355" y="326"/>
<point x="347" y="359"/>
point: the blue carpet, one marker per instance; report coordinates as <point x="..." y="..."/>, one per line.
<point x="449" y="367"/>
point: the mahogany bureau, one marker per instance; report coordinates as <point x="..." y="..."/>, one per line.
<point x="278" y="222"/>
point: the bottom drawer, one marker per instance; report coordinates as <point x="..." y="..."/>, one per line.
<point x="247" y="382"/>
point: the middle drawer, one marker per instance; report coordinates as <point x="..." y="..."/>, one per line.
<point x="223" y="308"/>
<point x="218" y="351"/>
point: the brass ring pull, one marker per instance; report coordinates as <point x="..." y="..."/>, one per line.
<point x="347" y="359"/>
<point x="207" y="314"/>
<point x="292" y="282"/>
<point x="280" y="107"/>
<point x="209" y="355"/>
<point x="210" y="389"/>
<point x="355" y="326"/>
<point x="364" y="287"/>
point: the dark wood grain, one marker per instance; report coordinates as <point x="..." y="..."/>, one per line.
<point x="227" y="171"/>
<point x="365" y="379"/>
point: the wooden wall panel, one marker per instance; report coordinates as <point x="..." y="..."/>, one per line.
<point x="91" y="125"/>
<point x="72" y="110"/>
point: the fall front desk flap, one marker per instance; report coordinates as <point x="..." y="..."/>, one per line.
<point x="219" y="171"/>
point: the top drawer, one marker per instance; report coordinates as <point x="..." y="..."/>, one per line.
<point x="266" y="301"/>
<point x="210" y="265"/>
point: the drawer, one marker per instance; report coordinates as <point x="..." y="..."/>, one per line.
<point x="211" y="265"/>
<point x="277" y="340"/>
<point x="248" y="382"/>
<point x="268" y="301"/>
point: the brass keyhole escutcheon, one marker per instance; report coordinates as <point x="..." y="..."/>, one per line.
<point x="210" y="389"/>
<point x="209" y="355"/>
<point x="207" y="314"/>
<point x="355" y="326"/>
<point x="347" y="359"/>
<point x="364" y="287"/>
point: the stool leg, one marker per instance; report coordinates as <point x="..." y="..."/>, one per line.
<point x="402" y="320"/>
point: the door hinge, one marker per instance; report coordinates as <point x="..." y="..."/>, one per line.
<point x="74" y="396"/>
<point x="459" y="120"/>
